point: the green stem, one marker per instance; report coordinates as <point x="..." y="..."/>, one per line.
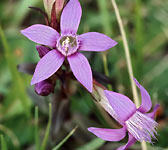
<point x="128" y="59"/>
<point x="106" y="69"/>
<point x="65" y="139"/>
<point x="44" y="143"/>
<point x="127" y="53"/>
<point x="36" y="129"/>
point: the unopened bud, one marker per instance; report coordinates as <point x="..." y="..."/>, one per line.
<point x="48" y="5"/>
<point x="44" y="88"/>
<point x="59" y="5"/>
<point x="42" y="50"/>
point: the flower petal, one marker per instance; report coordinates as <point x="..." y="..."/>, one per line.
<point x="152" y="114"/>
<point x="130" y="142"/>
<point x="122" y="105"/>
<point x="109" y="134"/>
<point x="47" y="66"/>
<point x="93" y="41"/>
<point x="146" y="100"/>
<point x="41" y="34"/>
<point x="70" y="17"/>
<point x="81" y="70"/>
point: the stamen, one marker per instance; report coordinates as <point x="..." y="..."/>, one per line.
<point x="67" y="45"/>
<point x="142" y="127"/>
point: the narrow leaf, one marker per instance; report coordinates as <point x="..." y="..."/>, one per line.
<point x="3" y="143"/>
<point x="44" y="143"/>
<point x="36" y="129"/>
<point x="65" y="139"/>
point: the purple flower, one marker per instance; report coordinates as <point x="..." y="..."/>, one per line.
<point x="67" y="44"/>
<point x="139" y="124"/>
<point x="44" y="88"/>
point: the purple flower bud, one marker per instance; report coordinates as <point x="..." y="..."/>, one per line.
<point x="42" y="50"/>
<point x="44" y="88"/>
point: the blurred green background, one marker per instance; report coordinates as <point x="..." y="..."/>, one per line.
<point x="146" y="25"/>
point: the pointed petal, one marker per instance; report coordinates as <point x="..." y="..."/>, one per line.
<point x="122" y="105"/>
<point x="93" y="41"/>
<point x="152" y="114"/>
<point x="41" y="34"/>
<point x="81" y="70"/>
<point x="131" y="141"/>
<point x="70" y="17"/>
<point x="146" y="100"/>
<point x="42" y="50"/>
<point x="109" y="134"/>
<point x="47" y="66"/>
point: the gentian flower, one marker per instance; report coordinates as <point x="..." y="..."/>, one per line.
<point x="67" y="44"/>
<point x="139" y="124"/>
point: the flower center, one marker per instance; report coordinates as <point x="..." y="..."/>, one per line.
<point x="67" y="45"/>
<point x="141" y="127"/>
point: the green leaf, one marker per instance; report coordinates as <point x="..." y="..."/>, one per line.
<point x="3" y="143"/>
<point x="44" y="143"/>
<point x="36" y="135"/>
<point x="93" y="145"/>
<point x="65" y="139"/>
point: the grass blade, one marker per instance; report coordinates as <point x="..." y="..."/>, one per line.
<point x="44" y="143"/>
<point x="65" y="139"/>
<point x="3" y="143"/>
<point x="36" y="129"/>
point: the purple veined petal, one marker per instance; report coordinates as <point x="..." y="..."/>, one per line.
<point x="47" y="66"/>
<point x="131" y="141"/>
<point x="42" y="50"/>
<point x="152" y="114"/>
<point x="41" y="34"/>
<point x="146" y="100"/>
<point x="70" y="18"/>
<point x="109" y="134"/>
<point x="121" y="104"/>
<point x="81" y="70"/>
<point x="93" y="41"/>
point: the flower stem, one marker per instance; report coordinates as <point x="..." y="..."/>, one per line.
<point x="128" y="59"/>
<point x="143" y="145"/>
<point x="127" y="53"/>
<point x="104" y="56"/>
